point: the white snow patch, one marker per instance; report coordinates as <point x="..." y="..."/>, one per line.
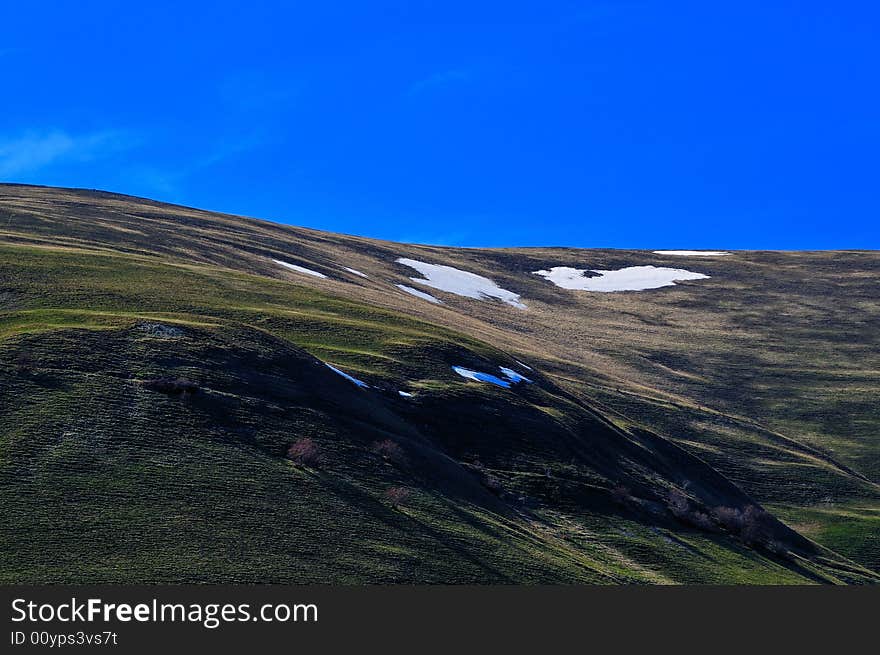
<point x="299" y="269"/>
<point x="359" y="383"/>
<point x="692" y="253"/>
<point x="479" y="376"/>
<point x="525" y="366"/>
<point x="510" y="378"/>
<point x="462" y="283"/>
<point x="632" y="278"/>
<point x="355" y="271"/>
<point x="405" y="394"/>
<point x="418" y="294"/>
<point x="513" y="376"/>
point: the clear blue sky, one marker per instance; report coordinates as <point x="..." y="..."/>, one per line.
<point x="628" y="124"/>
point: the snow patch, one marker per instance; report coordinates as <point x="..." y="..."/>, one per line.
<point x="477" y="376"/>
<point x="299" y="269"/>
<point x="513" y="376"/>
<point x="355" y="271"/>
<point x="461" y="283"/>
<point x="418" y="294"/>
<point x="405" y="394"/>
<point x="160" y="330"/>
<point x="632" y="278"/>
<point x="354" y="380"/>
<point x="525" y="366"/>
<point x="692" y="253"/>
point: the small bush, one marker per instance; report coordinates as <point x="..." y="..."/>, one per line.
<point x="702" y="521"/>
<point x="684" y="509"/>
<point x="492" y="483"/>
<point x="730" y="518"/>
<point x="756" y="526"/>
<point x="173" y="386"/>
<point x="679" y="504"/>
<point x="390" y="451"/>
<point x="304" y="452"/>
<point x="398" y="496"/>
<point x="752" y="524"/>
<point x="486" y="477"/>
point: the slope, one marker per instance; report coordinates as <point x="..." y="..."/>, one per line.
<point x="106" y="300"/>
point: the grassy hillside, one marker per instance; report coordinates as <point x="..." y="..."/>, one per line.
<point x="156" y="367"/>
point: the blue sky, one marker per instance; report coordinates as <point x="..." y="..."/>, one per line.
<point x="607" y="124"/>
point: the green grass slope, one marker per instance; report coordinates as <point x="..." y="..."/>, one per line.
<point x="151" y="383"/>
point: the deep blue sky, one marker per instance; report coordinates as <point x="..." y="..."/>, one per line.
<point x="629" y="124"/>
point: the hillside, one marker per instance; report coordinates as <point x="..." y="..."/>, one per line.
<point x="188" y="396"/>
